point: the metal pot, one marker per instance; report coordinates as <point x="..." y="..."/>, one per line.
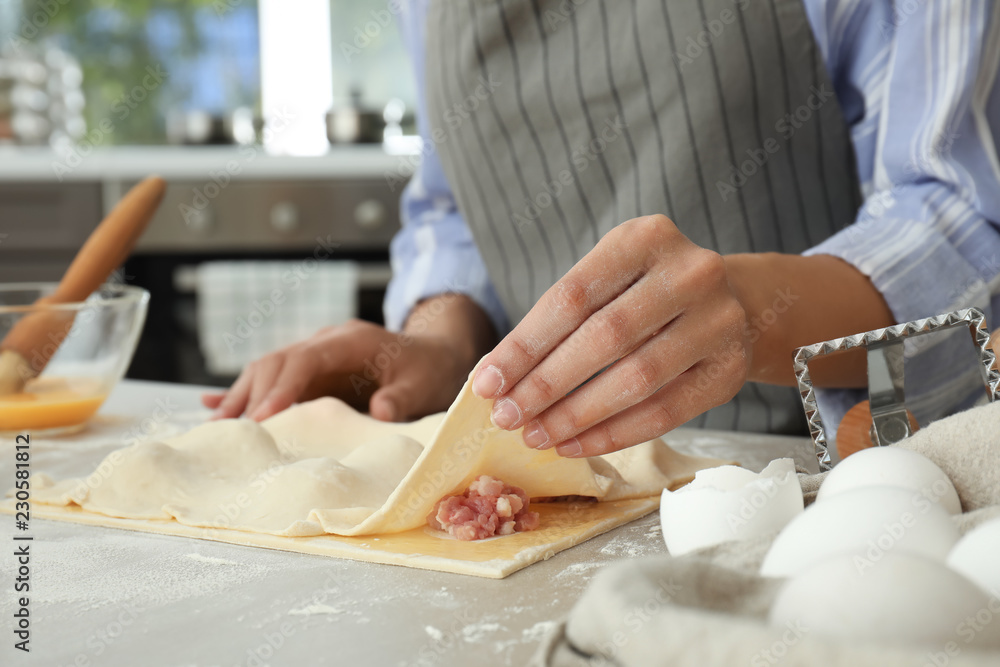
<point x="202" y="128"/>
<point x="351" y="125"/>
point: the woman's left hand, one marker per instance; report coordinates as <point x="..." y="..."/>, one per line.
<point x="654" y="310"/>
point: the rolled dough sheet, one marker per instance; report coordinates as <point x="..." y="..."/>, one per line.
<point x="563" y="525"/>
<point x="320" y="473"/>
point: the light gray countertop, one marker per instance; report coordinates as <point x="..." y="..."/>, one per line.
<point x="102" y="596"/>
<point x="27" y="164"/>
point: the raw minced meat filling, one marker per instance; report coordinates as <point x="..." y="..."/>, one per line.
<point x="487" y="508"/>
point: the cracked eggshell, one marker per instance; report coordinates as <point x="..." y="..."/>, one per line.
<point x="729" y="503"/>
<point x="892" y="466"/>
<point x="867" y="523"/>
<point x="977" y="557"/>
<point x="904" y="598"/>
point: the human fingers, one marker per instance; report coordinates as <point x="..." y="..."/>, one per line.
<point x="289" y="384"/>
<point x="212" y="401"/>
<point x="704" y="386"/>
<point x="626" y="383"/>
<point x="616" y="330"/>
<point x="266" y="371"/>
<point x="618" y="261"/>
<point x="235" y="399"/>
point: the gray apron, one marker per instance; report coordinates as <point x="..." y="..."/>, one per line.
<point x="560" y="119"/>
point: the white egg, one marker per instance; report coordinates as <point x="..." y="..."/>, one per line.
<point x="977" y="556"/>
<point x="904" y="598"/>
<point x="892" y="466"/>
<point x="868" y="523"/>
<point x="730" y="503"/>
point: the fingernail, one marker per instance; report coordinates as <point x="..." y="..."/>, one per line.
<point x="218" y="414"/>
<point x="570" y="448"/>
<point x="535" y="435"/>
<point x="488" y="382"/>
<point x="506" y="414"/>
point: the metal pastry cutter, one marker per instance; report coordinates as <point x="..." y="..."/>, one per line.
<point x="885" y="375"/>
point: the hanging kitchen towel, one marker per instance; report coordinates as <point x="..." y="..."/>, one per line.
<point x="247" y="309"/>
<point x="710" y="607"/>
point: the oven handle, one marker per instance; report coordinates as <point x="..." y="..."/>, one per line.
<point x="371" y="275"/>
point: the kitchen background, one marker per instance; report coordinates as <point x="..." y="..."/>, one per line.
<point x="285" y="131"/>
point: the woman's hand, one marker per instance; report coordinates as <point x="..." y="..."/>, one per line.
<point x="406" y="375"/>
<point x="650" y="307"/>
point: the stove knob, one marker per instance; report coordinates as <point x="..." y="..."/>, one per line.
<point x="285" y="217"/>
<point x="199" y="220"/>
<point x="370" y="214"/>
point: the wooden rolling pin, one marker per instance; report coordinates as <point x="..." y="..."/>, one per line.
<point x="855" y="431"/>
<point x="30" y="344"/>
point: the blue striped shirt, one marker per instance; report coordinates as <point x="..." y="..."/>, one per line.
<point x="916" y="82"/>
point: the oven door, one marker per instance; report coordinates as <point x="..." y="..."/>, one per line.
<point x="298" y="222"/>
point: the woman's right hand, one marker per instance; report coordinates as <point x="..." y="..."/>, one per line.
<point x="406" y="375"/>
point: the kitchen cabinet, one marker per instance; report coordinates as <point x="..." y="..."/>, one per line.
<point x="42" y="225"/>
<point x="202" y="217"/>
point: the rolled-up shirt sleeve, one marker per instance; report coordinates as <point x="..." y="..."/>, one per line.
<point x="434" y="252"/>
<point x="928" y="234"/>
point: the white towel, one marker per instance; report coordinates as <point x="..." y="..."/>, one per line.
<point x="247" y="309"/>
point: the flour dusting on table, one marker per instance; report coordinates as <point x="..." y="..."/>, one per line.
<point x="211" y="560"/>
<point x="143" y="576"/>
<point x="475" y="632"/>
<point x="313" y="609"/>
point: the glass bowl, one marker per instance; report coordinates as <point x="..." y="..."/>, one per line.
<point x="98" y="338"/>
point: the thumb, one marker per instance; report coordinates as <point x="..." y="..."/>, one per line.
<point x="394" y="402"/>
